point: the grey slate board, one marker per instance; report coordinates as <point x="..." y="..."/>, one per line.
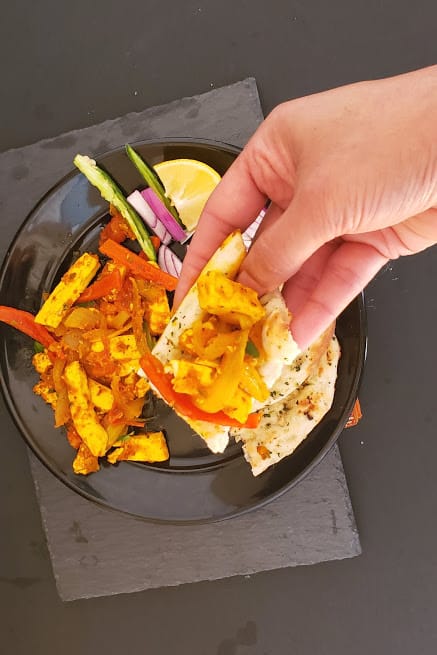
<point x="96" y="552"/>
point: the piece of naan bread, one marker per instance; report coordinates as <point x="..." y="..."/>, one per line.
<point x="301" y="384"/>
<point x="277" y="341"/>
<point x="287" y="422"/>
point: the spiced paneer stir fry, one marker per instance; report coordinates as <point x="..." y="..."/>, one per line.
<point x="105" y="336"/>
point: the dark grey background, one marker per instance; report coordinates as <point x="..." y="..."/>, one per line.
<point x="65" y="66"/>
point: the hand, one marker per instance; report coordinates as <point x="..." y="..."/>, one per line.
<point x="352" y="178"/>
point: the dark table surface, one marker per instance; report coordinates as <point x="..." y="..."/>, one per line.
<point x="65" y="66"/>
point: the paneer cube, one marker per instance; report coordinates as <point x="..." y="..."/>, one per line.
<point x="190" y="377"/>
<point x="234" y="303"/>
<point x="101" y="396"/>
<point x="72" y="284"/>
<point x="85" y="462"/>
<point x="123" y="347"/>
<point x="150" y="447"/>
<point x="41" y="362"/>
<point x="123" y="351"/>
<point x="47" y="394"/>
<point x="82" y="410"/>
<point x="157" y="310"/>
<point x="142" y="386"/>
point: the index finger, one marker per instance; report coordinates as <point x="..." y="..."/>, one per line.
<point x="235" y="203"/>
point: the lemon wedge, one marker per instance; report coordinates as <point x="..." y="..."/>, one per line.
<point x="188" y="183"/>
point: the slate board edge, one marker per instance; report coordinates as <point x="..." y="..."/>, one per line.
<point x="249" y="82"/>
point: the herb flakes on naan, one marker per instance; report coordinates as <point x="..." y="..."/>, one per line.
<point x="285" y="424"/>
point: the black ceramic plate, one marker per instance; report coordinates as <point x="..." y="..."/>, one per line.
<point x="195" y="485"/>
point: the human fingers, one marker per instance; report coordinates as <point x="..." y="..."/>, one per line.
<point x="299" y="288"/>
<point x="235" y="203"/>
<point x="405" y="238"/>
<point x="284" y="245"/>
<point x="347" y="271"/>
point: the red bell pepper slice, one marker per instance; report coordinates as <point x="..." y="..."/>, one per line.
<point x="102" y="287"/>
<point x="25" y="322"/>
<point x="117" y="229"/>
<point x="138" y="266"/>
<point x="182" y="403"/>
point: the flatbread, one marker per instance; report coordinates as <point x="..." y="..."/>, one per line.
<point x="295" y="373"/>
<point x="285" y="424"/>
<point x="277" y="341"/>
<point x="226" y="259"/>
<point x="302" y="385"/>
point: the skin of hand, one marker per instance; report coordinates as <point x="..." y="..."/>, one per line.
<point x="351" y="174"/>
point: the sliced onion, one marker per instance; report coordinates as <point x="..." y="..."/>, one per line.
<point x="163" y="214"/>
<point x="188" y="236"/>
<point x="169" y="262"/>
<point x="149" y="217"/>
<point x="249" y="234"/>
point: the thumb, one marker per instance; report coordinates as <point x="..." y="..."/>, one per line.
<point x="284" y="245"/>
<point x="235" y="203"/>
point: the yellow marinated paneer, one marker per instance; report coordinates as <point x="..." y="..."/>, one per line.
<point x="72" y="284"/>
<point x="85" y="462"/>
<point x="234" y="303"/>
<point x="142" y="386"/>
<point x="41" y="362"/>
<point x="82" y="410"/>
<point x="48" y="395"/>
<point x="123" y="347"/>
<point x="190" y="377"/>
<point x="123" y="350"/>
<point x="150" y="447"/>
<point x="157" y="311"/>
<point x="101" y="396"/>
